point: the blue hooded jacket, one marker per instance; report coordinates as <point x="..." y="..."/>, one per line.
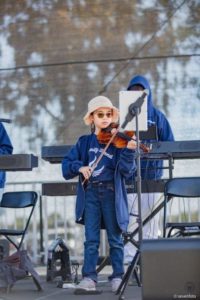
<point x="125" y="167"/>
<point x="5" y="148"/>
<point x="153" y="169"/>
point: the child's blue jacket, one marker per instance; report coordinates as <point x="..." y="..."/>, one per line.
<point x="5" y="148"/>
<point x="125" y="167"/>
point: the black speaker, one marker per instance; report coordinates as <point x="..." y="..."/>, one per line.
<point x="170" y="269"/>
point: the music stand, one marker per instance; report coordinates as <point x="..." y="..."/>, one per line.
<point x="134" y="110"/>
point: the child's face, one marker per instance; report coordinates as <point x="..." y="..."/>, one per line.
<point x="102" y="117"/>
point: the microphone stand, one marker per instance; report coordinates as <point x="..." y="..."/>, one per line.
<point x="134" y="111"/>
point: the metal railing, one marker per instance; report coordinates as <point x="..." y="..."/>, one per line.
<point x="55" y="217"/>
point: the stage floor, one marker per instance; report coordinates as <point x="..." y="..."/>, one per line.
<point x="25" y="289"/>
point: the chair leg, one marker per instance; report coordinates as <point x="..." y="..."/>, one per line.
<point x="26" y="264"/>
<point x="164" y="216"/>
<point x="37" y="283"/>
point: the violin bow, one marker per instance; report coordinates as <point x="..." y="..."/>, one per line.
<point x="102" y="154"/>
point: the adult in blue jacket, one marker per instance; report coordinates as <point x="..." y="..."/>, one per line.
<point x="150" y="169"/>
<point x="5" y="148"/>
<point x="102" y="203"/>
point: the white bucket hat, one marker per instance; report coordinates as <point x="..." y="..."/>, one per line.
<point x="97" y="102"/>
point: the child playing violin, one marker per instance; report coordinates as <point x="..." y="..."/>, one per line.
<point x="102" y="202"/>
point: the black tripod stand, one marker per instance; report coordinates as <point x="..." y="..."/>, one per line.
<point x="134" y="111"/>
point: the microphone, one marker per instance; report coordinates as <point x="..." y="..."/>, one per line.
<point x="134" y="107"/>
<point x="138" y="103"/>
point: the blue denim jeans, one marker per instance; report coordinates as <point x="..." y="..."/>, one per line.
<point x="100" y="204"/>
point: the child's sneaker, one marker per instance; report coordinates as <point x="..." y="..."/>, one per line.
<point x="87" y="284"/>
<point x="115" y="283"/>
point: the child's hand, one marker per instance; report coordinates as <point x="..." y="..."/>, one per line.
<point x="113" y="130"/>
<point x="86" y="171"/>
<point x="131" y="145"/>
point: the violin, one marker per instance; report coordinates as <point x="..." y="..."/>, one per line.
<point x="120" y="140"/>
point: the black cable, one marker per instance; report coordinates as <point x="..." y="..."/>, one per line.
<point x="141" y="48"/>
<point x="80" y="62"/>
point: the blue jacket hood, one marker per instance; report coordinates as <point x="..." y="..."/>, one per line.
<point x="144" y="82"/>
